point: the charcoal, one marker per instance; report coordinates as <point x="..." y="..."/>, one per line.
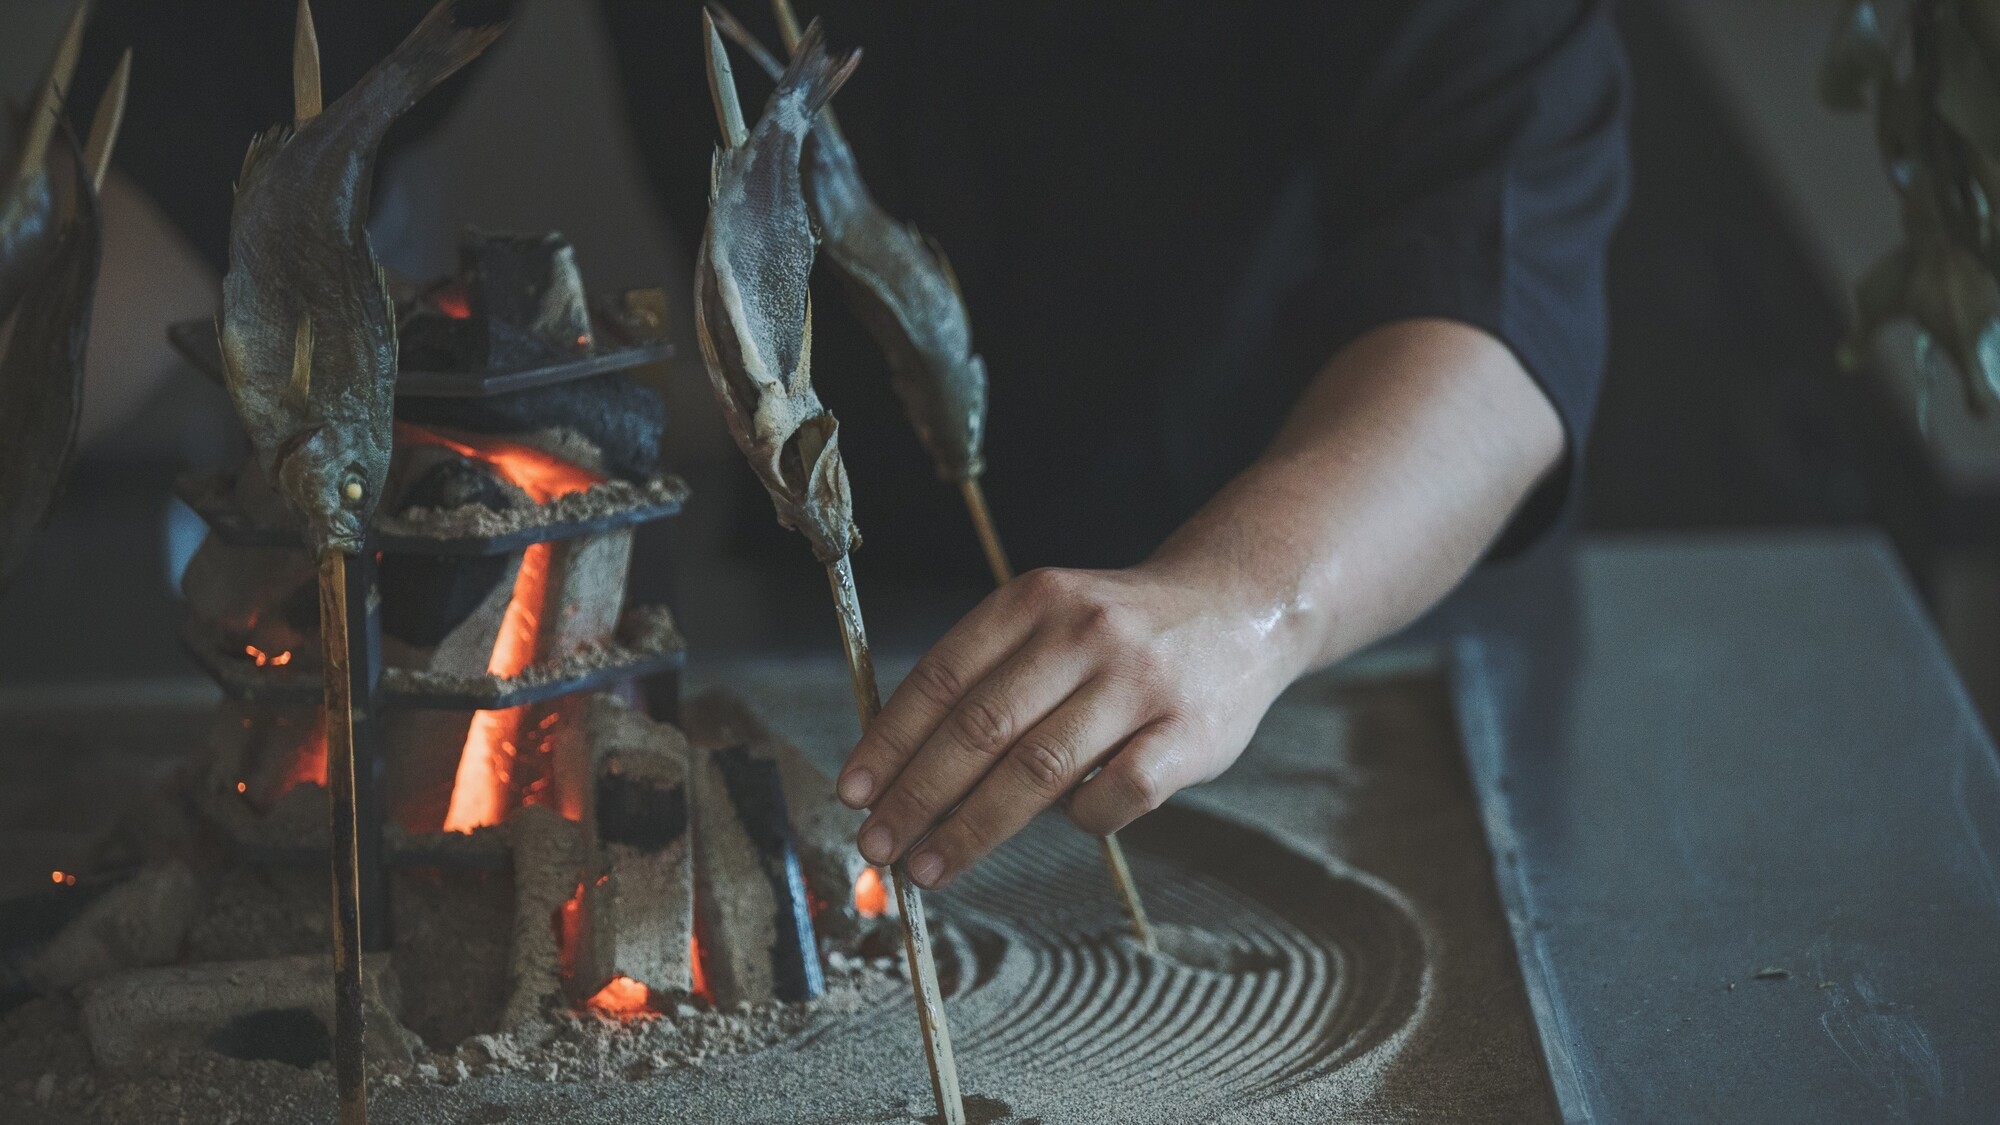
<point x="620" y="416"/>
<point x="526" y="300"/>
<point x="637" y="911"/>
<point x="759" y="800"/>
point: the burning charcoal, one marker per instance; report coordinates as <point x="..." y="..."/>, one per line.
<point x="526" y="300"/>
<point x="587" y="579"/>
<point x="425" y="597"/>
<point x="151" y="1015"/>
<point x="621" y="417"/>
<point x="755" y="916"/>
<point x="823" y="827"/>
<point x="637" y="912"/>
<point x="137" y="923"/>
<point x="546" y="863"/>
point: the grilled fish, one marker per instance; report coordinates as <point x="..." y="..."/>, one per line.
<point x="41" y="372"/>
<point x="41" y="375"/>
<point x="28" y="220"/>
<point x="308" y="329"/>
<point x="753" y="314"/>
<point x="900" y="286"/>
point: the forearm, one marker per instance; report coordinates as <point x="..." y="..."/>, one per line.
<point x="1401" y="461"/>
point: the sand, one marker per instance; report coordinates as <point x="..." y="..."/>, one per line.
<point x="1334" y="949"/>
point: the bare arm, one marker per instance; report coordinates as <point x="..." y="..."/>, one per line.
<point x="1400" y="463"/>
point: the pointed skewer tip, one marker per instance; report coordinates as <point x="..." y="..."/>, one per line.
<point x="105" y="124"/>
<point x="306" y="102"/>
<point x="50" y="101"/>
<point x="722" y="86"/>
<point x="788" y="24"/>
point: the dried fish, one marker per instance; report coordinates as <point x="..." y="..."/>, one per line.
<point x="41" y="376"/>
<point x="308" y="329"/>
<point x="41" y="372"/>
<point x="753" y="310"/>
<point x="900" y="285"/>
<point x="28" y="219"/>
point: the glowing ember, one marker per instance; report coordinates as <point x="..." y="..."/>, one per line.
<point x="482" y="790"/>
<point x="623" y="998"/>
<point x="695" y="971"/>
<point x="871" y="898"/>
<point x="263" y="658"/>
<point x="308" y="766"/>
<point x="242" y="787"/>
<point x="452" y="303"/>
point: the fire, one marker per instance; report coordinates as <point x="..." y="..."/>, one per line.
<point x="871" y="898"/>
<point x="482" y="790"/>
<point x="278" y="660"/>
<point x="695" y="971"/>
<point x="452" y="302"/>
<point x="308" y="766"/>
<point x="62" y="878"/>
<point x="622" y="998"/>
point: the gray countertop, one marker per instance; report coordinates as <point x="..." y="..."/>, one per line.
<point x="1747" y="830"/>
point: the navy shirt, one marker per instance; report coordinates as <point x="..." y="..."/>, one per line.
<point x="1166" y="216"/>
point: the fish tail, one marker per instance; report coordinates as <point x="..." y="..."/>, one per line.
<point x="814" y="73"/>
<point x="453" y="34"/>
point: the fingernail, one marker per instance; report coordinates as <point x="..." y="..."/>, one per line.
<point x="877" y="844"/>
<point x="926" y="868"/>
<point x="856" y="786"/>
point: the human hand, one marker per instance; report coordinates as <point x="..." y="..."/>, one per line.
<point x="1155" y="674"/>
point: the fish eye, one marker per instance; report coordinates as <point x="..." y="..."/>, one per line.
<point x="352" y="489"/>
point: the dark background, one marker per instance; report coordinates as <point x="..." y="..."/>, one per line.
<point x="1723" y="407"/>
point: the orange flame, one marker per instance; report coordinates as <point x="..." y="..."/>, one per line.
<point x="278" y="660"/>
<point x="871" y="898"/>
<point x="482" y="790"/>
<point x="696" y="973"/>
<point x="622" y="998"/>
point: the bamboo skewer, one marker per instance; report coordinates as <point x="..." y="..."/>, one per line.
<point x="909" y="903"/>
<point x="343" y="837"/>
<point x="105" y="125"/>
<point x="336" y="673"/>
<point x="53" y="96"/>
<point x="1114" y="852"/>
<point x="929" y="996"/>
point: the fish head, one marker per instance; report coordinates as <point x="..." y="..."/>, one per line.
<point x="334" y="484"/>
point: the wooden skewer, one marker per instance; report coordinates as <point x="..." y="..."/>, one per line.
<point x="336" y="674"/>
<point x="916" y="928"/>
<point x="306" y="93"/>
<point x="1003" y="573"/>
<point x="104" y="126"/>
<point x="343" y="834"/>
<point x="49" y="103"/>
<point x="722" y="87"/>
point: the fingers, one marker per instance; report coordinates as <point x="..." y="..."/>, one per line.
<point x="1032" y="775"/>
<point x="1151" y="767"/>
<point x="971" y="650"/>
<point x="977" y="735"/>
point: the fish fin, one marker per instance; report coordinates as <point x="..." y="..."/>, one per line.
<point x="104" y="125"/>
<point x="729" y="25"/>
<point x="714" y="176"/>
<point x="722" y="87"/>
<point x="300" y="390"/>
<point x="306" y="91"/>
<point x="944" y="263"/>
<point x="433" y="51"/>
<point x="814" y="73"/>
<point x="788" y="24"/>
<point x="261" y="146"/>
<point x="54" y="95"/>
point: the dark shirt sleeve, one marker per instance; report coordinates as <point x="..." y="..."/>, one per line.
<point x="1478" y="177"/>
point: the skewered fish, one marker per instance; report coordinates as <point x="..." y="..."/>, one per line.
<point x="28" y="219"/>
<point x="753" y="310"/>
<point x="901" y="287"/>
<point x="308" y="329"/>
<point x="41" y="371"/>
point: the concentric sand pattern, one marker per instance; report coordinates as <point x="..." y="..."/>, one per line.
<point x="1275" y="970"/>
